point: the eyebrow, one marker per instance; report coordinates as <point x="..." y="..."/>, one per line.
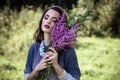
<point x="52" y="17"/>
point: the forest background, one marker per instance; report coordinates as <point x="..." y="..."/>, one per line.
<point x="97" y="49"/>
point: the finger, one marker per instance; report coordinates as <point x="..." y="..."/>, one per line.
<point x="44" y="64"/>
<point x="52" y="49"/>
<point x="46" y="56"/>
<point x="49" y="59"/>
<point x="50" y="62"/>
<point x="50" y="54"/>
<point x="44" y="67"/>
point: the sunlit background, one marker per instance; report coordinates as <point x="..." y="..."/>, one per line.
<point x="98" y="46"/>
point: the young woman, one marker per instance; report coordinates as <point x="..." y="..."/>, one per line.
<point x="64" y="63"/>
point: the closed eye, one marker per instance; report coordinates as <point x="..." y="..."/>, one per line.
<point x="54" y="20"/>
<point x="46" y="17"/>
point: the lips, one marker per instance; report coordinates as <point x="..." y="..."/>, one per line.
<point x="46" y="26"/>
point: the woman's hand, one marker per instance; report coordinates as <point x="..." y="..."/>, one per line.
<point x="53" y="59"/>
<point x="52" y="56"/>
<point x="42" y="64"/>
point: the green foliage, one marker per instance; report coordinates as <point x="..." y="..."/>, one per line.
<point x="98" y="57"/>
<point x="100" y="22"/>
<point x="79" y="18"/>
<point x="17" y="31"/>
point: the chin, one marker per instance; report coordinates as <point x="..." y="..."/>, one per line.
<point x="46" y="31"/>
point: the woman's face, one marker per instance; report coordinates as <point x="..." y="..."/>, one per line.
<point x="49" y="20"/>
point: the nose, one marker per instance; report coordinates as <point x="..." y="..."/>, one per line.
<point x="48" y="21"/>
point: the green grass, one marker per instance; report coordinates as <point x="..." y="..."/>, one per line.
<point x="98" y="60"/>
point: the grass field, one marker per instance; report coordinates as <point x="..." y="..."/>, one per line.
<point x="98" y="60"/>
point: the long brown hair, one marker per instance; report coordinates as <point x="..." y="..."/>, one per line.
<point x="39" y="34"/>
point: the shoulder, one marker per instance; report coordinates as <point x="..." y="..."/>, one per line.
<point x="70" y="51"/>
<point x="34" y="45"/>
<point x="33" y="48"/>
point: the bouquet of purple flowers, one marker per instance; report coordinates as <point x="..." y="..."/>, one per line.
<point x="63" y="36"/>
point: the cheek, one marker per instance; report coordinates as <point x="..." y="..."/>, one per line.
<point x="42" y="26"/>
<point x="52" y="24"/>
<point x="43" y="22"/>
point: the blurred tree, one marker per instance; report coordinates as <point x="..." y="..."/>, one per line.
<point x="106" y="17"/>
<point x="96" y="1"/>
<point x="115" y="23"/>
<point x="2" y="3"/>
<point x="18" y="4"/>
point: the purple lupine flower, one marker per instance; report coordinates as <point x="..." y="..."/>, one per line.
<point x="62" y="36"/>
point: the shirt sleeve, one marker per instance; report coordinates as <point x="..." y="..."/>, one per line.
<point x="26" y="76"/>
<point x="30" y="58"/>
<point x="71" y="68"/>
<point x="66" y="76"/>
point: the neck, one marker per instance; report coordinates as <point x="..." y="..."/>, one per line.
<point x="46" y="39"/>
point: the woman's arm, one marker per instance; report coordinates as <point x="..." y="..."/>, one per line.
<point x="71" y="64"/>
<point x="62" y="74"/>
<point x="32" y="75"/>
<point x="66" y="76"/>
<point x="29" y="62"/>
<point x="40" y="66"/>
<point x="29" y="73"/>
